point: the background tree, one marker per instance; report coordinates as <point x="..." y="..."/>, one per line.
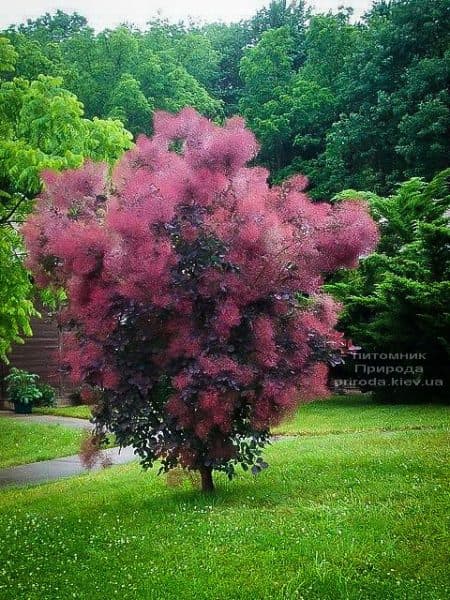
<point x="56" y="27"/>
<point x="313" y="104"/>
<point x="16" y="307"/>
<point x="16" y="292"/>
<point x="41" y="126"/>
<point x="230" y="42"/>
<point x="366" y="147"/>
<point x="198" y="56"/>
<point x="195" y="306"/>
<point x="398" y="300"/>
<point x="8" y="56"/>
<point x="424" y="105"/>
<point x="360" y="105"/>
<point x="94" y="66"/>
<point x="293" y="15"/>
<point x="130" y="106"/>
<point x="267" y="73"/>
<point x="36" y="58"/>
<point x="329" y="41"/>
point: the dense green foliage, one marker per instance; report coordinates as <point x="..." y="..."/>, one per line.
<point x="341" y="516"/>
<point x="42" y="127"/>
<point x="22" y="387"/>
<point x="16" y="306"/>
<point x="123" y="72"/>
<point x="48" y="395"/>
<point x="361" y="105"/>
<point x="398" y="301"/>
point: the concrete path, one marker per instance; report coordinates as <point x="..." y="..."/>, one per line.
<point x="58" y="468"/>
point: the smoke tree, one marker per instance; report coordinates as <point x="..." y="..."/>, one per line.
<point x="195" y="315"/>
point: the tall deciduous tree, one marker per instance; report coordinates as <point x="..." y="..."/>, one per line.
<point x="16" y="307"/>
<point x="41" y="126"/>
<point x="129" y="104"/>
<point x="394" y="100"/>
<point x="230" y="42"/>
<point x="55" y="27"/>
<point x="293" y="15"/>
<point x="267" y="73"/>
<point x="195" y="306"/>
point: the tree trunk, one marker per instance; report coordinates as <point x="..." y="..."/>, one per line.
<point x="207" y="480"/>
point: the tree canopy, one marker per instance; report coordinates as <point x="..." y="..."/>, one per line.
<point x="362" y="105"/>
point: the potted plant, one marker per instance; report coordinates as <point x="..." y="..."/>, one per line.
<point x="23" y="390"/>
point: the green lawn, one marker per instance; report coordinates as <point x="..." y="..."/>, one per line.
<point x="353" y="516"/>
<point x="23" y="442"/>
<point x="342" y="414"/>
<point x="335" y="415"/>
<point x="79" y="412"/>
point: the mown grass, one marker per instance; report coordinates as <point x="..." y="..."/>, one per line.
<point x="334" y="415"/>
<point x="353" y="413"/>
<point x="354" y="516"/>
<point x="24" y="442"/>
<point x="79" y="412"/>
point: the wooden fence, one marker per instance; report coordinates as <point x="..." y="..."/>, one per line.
<point x="39" y="354"/>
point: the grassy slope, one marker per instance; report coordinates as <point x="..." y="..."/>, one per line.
<point x="355" y="516"/>
<point x="23" y="442"/>
<point x="79" y="412"/>
<point x="342" y="414"/>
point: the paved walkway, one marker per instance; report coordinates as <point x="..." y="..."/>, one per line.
<point x="58" y="468"/>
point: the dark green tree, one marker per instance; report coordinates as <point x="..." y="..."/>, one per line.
<point x="293" y="15"/>
<point x="230" y="42"/>
<point x="393" y="100"/>
<point x="398" y="301"/>
<point x="55" y="27"/>
<point x="129" y="104"/>
<point x="314" y="100"/>
<point x="267" y="73"/>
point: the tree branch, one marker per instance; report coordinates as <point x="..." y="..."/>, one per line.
<point x="4" y="220"/>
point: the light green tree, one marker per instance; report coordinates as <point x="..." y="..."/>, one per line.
<point x="41" y="127"/>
